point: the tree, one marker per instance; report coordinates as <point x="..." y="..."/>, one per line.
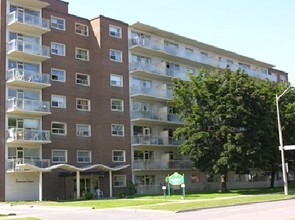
<point x="226" y="121"/>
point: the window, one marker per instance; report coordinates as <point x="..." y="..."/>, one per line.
<point x="58" y="49"/>
<point x="115" y="31"/>
<point x="82" y="79"/>
<point x="59" y="156"/>
<point x="58" y="75"/>
<point x="83" y="130"/>
<point x="83" y="156"/>
<point x="118" y="155"/>
<point x="204" y="53"/>
<point x="82" y="54"/>
<point x="81" y="29"/>
<point x="116" y="80"/>
<point x="119" y="180"/>
<point x="117" y="105"/>
<point x="83" y="104"/>
<point x="57" y="23"/>
<point x="116" y="55"/>
<point x="58" y="128"/>
<point x="264" y="71"/>
<point x="58" y="101"/>
<point x="244" y="66"/>
<point x="117" y="130"/>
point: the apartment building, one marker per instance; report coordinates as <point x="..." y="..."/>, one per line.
<point x="85" y="104"/>
<point x="156" y="56"/>
<point x="65" y="126"/>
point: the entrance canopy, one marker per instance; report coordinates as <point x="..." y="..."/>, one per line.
<point x="101" y="167"/>
<point x="71" y="167"/>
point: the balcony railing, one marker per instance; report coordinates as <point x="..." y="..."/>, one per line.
<point x="27" y="105"/>
<point x="156" y="70"/>
<point x="155" y="140"/>
<point x="12" y="164"/>
<point x="162" y="165"/>
<point x="27" y="76"/>
<point x="28" y="48"/>
<point x="210" y="60"/>
<point x="28" y="135"/>
<point x="28" y="19"/>
<point x="165" y="117"/>
<point x="150" y="91"/>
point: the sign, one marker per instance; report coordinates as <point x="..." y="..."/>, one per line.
<point x="288" y="147"/>
<point x="176" y="179"/>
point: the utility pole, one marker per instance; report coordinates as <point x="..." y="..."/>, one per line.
<point x="285" y="180"/>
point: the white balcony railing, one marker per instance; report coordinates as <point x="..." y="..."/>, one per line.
<point x="162" y="165"/>
<point x="156" y="70"/>
<point x="12" y="164"/>
<point x="165" y="117"/>
<point x="28" y="105"/>
<point x="150" y="91"/>
<point x="155" y="140"/>
<point x="27" y="76"/>
<point x="28" y="19"/>
<point x="29" y="48"/>
<point x="211" y="60"/>
<point x="22" y="134"/>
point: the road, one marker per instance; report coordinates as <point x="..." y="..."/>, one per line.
<point x="280" y="210"/>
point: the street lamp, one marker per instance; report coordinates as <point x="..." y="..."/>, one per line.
<point x="281" y="142"/>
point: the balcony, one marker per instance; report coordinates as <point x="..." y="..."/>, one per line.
<point x="29" y="79"/>
<point x="158" y="141"/>
<point x="155" y="117"/>
<point x="154" y="71"/>
<point x="28" y="107"/>
<point x="162" y="165"/>
<point x="12" y="164"/>
<point x="26" y="51"/>
<point x="27" y="23"/>
<point x="168" y="52"/>
<point x="151" y="93"/>
<point x="28" y="136"/>
<point x="37" y="4"/>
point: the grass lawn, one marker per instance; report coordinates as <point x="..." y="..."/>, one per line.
<point x="175" y="203"/>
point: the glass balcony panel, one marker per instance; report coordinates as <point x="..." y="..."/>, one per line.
<point x="149" y="91"/>
<point x="156" y="116"/>
<point x="28" y="48"/>
<point x="160" y="164"/>
<point x="155" y="140"/>
<point x="28" y="105"/>
<point x="22" y="134"/>
<point x="12" y="164"/>
<point x="28" y="19"/>
<point x="27" y="76"/>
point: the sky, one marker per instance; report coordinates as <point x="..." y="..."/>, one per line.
<point x="261" y="29"/>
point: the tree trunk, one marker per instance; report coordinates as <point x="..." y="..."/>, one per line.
<point x="223" y="183"/>
<point x="272" y="179"/>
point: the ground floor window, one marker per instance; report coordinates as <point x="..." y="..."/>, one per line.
<point x="119" y="181"/>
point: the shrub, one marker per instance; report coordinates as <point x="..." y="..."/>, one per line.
<point x="88" y="196"/>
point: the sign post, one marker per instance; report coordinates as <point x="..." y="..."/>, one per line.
<point x="176" y="179"/>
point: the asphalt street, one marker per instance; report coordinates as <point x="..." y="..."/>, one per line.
<point x="280" y="210"/>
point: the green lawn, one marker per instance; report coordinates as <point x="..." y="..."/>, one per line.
<point x="175" y="203"/>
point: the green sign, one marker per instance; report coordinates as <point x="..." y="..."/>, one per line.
<point x="176" y="179"/>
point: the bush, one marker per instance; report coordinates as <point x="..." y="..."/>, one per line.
<point x="121" y="195"/>
<point x="88" y="196"/>
<point x="131" y="188"/>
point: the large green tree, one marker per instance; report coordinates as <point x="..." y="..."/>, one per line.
<point x="229" y="122"/>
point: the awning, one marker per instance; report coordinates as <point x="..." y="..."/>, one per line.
<point x="72" y="168"/>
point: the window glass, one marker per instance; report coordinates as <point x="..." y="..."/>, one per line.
<point x="58" y="101"/>
<point x="59" y="156"/>
<point x="58" y="75"/>
<point x="58" y="128"/>
<point x="116" y="80"/>
<point x="115" y="31"/>
<point x="57" y="23"/>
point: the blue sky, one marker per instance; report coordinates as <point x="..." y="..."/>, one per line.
<point x="261" y="29"/>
